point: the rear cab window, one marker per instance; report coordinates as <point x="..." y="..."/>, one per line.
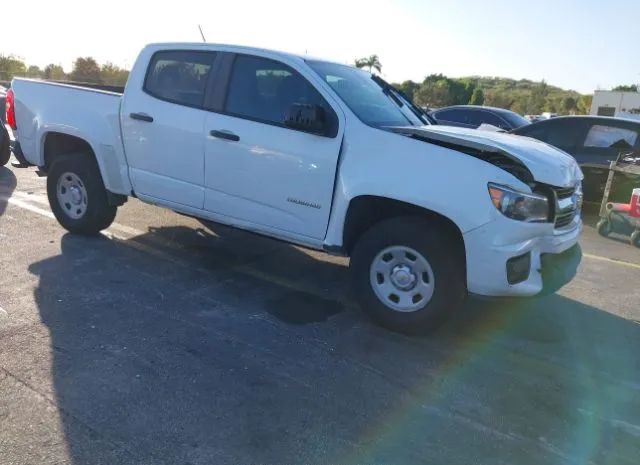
<point x="179" y="76"/>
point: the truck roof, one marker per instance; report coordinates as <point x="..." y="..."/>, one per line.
<point x="239" y="49"/>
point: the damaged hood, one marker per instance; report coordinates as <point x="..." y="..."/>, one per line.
<point x="547" y="164"/>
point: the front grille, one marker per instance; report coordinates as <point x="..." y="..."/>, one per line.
<point x="566" y="206"/>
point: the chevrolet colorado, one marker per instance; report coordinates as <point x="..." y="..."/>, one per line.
<point x="319" y="154"/>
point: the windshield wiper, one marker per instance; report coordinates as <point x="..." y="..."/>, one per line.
<point x="387" y="89"/>
<point x="393" y="93"/>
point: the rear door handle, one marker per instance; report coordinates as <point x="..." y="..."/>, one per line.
<point x="141" y="117"/>
<point x="224" y="135"/>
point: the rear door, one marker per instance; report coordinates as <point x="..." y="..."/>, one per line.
<point x="256" y="169"/>
<point x="162" y="124"/>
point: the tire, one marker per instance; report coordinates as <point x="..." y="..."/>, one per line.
<point x="604" y="227"/>
<point x="5" y="150"/>
<point x="635" y="238"/>
<point x="77" y="194"/>
<point x="430" y="294"/>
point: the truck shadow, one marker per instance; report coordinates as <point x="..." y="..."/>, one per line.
<point x="185" y="354"/>
<point x="7" y="186"/>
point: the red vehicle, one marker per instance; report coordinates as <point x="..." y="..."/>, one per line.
<point x="623" y="218"/>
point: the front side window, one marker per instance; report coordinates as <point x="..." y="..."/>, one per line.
<point x="264" y="90"/>
<point x="179" y="76"/>
<point x="609" y="136"/>
<point x="364" y="96"/>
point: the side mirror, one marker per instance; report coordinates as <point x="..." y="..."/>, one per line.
<point x="306" y="117"/>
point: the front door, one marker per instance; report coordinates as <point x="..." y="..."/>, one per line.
<point x="162" y="126"/>
<point x="259" y="171"/>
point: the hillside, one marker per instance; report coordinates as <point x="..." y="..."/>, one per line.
<point x="523" y="96"/>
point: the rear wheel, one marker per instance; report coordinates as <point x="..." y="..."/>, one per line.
<point x="604" y="227"/>
<point x="408" y="274"/>
<point x="635" y="238"/>
<point x="5" y="151"/>
<point x="77" y="194"/>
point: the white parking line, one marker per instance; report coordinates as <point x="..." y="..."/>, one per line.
<point x="29" y="206"/>
<point x="118" y="230"/>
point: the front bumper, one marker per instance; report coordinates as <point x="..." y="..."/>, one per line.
<point x="554" y="257"/>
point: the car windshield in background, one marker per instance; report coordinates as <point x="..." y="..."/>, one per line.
<point x="515" y="120"/>
<point x="364" y="96"/>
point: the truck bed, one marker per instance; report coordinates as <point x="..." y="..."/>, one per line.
<point x="45" y="108"/>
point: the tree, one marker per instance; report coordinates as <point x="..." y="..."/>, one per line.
<point x="496" y="98"/>
<point x="568" y="104"/>
<point x="34" y="71"/>
<point x="372" y="62"/>
<point x="626" y="88"/>
<point x="113" y="75"/>
<point x="537" y="99"/>
<point x="11" y="66"/>
<point x="434" y="94"/>
<point x="86" y="70"/>
<point x="54" y="72"/>
<point x="409" y="88"/>
<point x="584" y="104"/>
<point x="477" y="98"/>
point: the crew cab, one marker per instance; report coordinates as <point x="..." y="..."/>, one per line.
<point x="319" y="154"/>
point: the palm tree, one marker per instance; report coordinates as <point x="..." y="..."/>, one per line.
<point x="372" y="62"/>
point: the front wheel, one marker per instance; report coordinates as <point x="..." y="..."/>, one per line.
<point x="77" y="194"/>
<point x="635" y="238"/>
<point x="408" y="274"/>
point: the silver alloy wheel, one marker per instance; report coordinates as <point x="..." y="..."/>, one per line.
<point x="402" y="278"/>
<point x="72" y="195"/>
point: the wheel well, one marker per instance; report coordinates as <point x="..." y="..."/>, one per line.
<point x="57" y="143"/>
<point x="365" y="211"/>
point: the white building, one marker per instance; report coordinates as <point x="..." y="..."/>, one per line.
<point x="613" y="103"/>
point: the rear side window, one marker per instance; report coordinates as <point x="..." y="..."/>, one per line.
<point x="608" y="136"/>
<point x="263" y="90"/>
<point x="179" y="76"/>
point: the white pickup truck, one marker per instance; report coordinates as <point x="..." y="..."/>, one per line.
<point x="319" y="154"/>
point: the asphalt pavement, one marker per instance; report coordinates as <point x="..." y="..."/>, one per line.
<point x="169" y="341"/>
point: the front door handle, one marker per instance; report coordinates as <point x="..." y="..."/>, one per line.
<point x="141" y="117"/>
<point x="224" y="135"/>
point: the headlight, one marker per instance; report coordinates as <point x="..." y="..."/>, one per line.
<point x="531" y="208"/>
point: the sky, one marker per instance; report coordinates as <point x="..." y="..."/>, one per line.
<point x="575" y="44"/>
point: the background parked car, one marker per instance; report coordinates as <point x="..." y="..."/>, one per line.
<point x="3" y="95"/>
<point x="594" y="141"/>
<point x="471" y="116"/>
<point x="5" y="151"/>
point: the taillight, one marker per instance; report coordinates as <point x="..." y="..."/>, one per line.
<point x="10" y="111"/>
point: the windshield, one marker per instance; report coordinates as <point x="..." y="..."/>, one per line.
<point x="515" y="119"/>
<point x="365" y="97"/>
